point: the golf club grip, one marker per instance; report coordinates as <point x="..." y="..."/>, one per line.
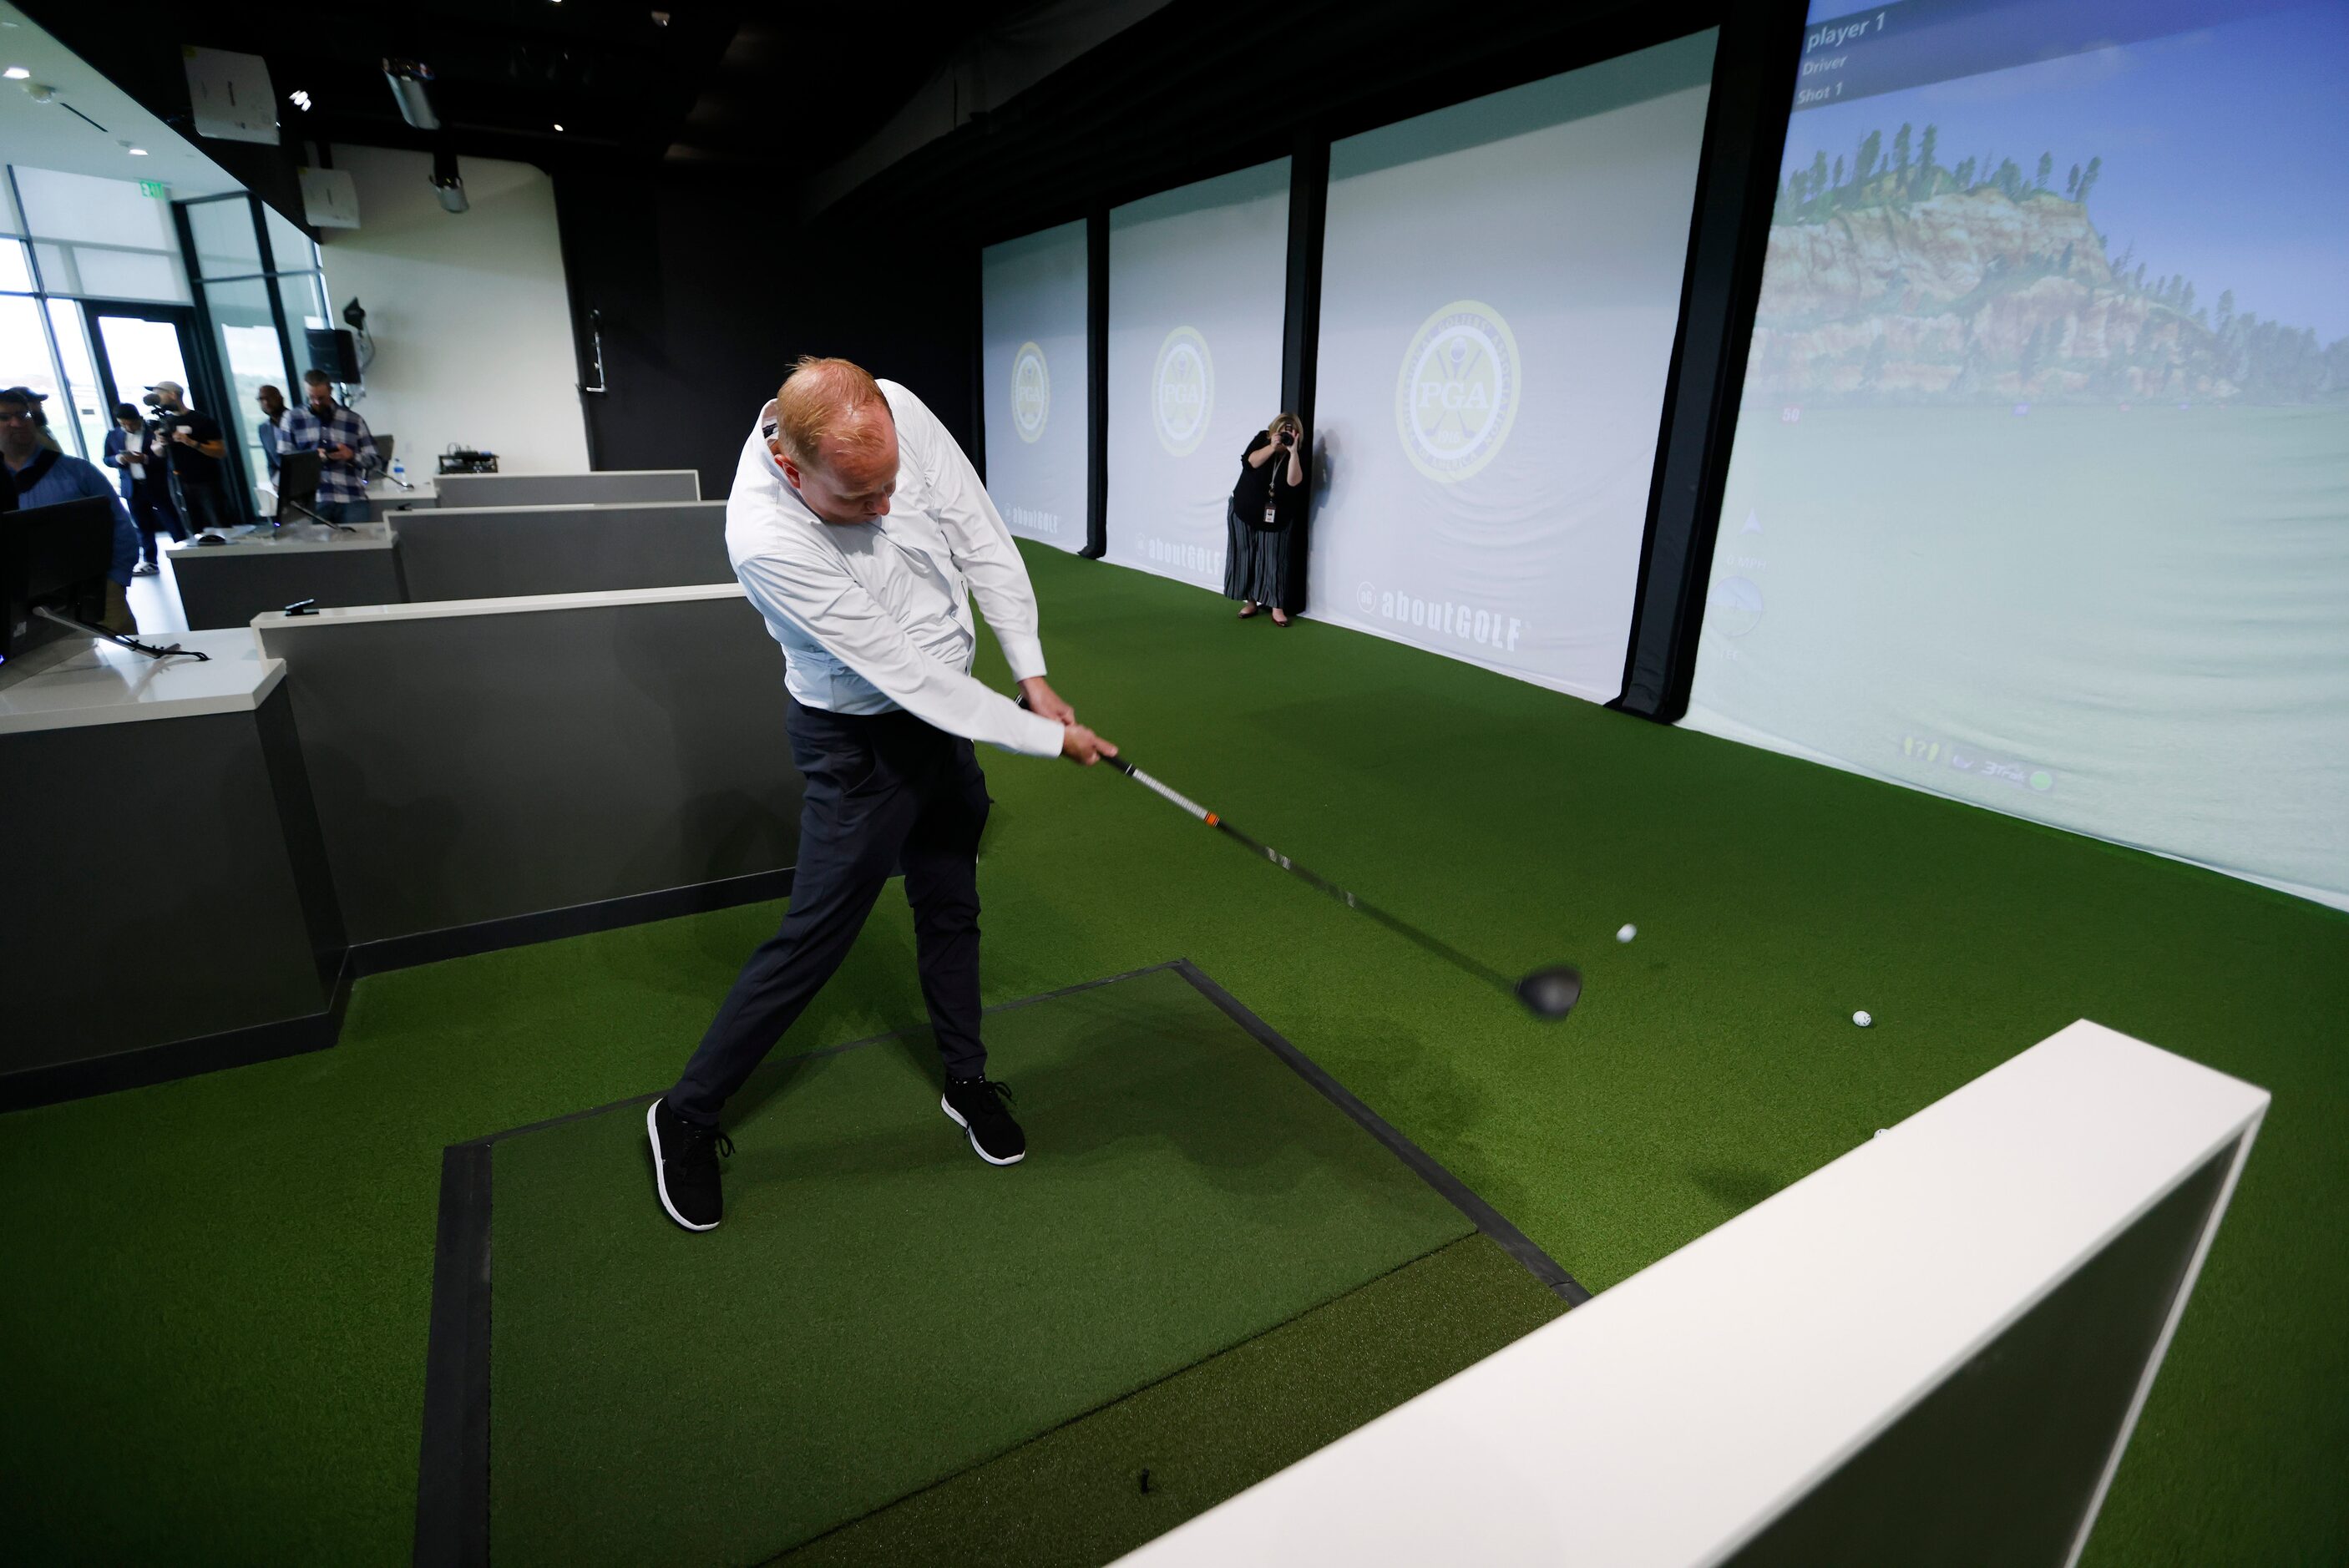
<point x="1155" y="787"/>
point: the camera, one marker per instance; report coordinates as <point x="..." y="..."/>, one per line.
<point x="153" y="399"/>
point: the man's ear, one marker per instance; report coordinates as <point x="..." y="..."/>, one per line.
<point x="791" y="470"/>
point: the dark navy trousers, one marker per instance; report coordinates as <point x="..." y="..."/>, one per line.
<point x="883" y="791"/>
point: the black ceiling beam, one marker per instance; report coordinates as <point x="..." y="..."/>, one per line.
<point x="1089" y="132"/>
<point x="646" y="78"/>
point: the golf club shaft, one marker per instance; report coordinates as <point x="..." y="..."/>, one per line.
<point x="1401" y="928"/>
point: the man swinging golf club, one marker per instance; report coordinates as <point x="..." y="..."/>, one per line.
<point x="859" y="529"/>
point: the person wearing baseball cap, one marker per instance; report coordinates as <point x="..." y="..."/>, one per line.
<point x="191" y="443"/>
<point x="44" y="477"/>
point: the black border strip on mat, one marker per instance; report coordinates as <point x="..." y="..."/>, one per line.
<point x="452" y="1465"/>
<point x="452" y="1471"/>
<point x="1480" y="1213"/>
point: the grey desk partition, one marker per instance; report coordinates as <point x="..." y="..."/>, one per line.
<point x="568" y="489"/>
<point x="510" y="551"/>
<point x="479" y="763"/>
<point x="168" y="909"/>
<point x="226" y="585"/>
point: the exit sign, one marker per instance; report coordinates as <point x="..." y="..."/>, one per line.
<point x="154" y="188"/>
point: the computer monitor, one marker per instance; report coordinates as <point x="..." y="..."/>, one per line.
<point x="58" y="557"/>
<point x="297" y="483"/>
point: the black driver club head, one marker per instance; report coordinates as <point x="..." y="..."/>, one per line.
<point x="1551" y="994"/>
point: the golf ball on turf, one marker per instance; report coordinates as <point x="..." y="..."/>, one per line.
<point x="1862" y="1019"/>
<point x="1628" y="932"/>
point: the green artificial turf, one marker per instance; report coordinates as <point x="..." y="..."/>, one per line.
<point x="882" y="1309"/>
<point x="1100" y="1486"/>
<point x="220" y="1287"/>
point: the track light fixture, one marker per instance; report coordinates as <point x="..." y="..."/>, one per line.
<point x="411" y="82"/>
<point x="447" y="183"/>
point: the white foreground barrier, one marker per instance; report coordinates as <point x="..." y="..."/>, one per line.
<point x="1932" y="1350"/>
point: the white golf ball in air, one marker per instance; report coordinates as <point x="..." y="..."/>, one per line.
<point x="1628" y="932"/>
<point x="1862" y="1019"/>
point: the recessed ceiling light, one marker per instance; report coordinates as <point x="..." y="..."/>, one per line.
<point x="15" y="73"/>
<point x="558" y="124"/>
<point x="138" y="152"/>
<point x="301" y="98"/>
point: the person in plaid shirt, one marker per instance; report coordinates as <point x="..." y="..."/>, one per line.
<point x="349" y="447"/>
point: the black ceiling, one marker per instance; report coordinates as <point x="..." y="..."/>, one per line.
<point x="1197" y="85"/>
<point x="633" y="80"/>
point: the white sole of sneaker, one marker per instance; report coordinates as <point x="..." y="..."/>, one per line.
<point x="660" y="1172"/>
<point x="955" y="1117"/>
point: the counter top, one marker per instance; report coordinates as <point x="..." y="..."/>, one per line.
<point x="528" y="508"/>
<point x="79" y="680"/>
<point x="294" y="538"/>
<point x="441" y="608"/>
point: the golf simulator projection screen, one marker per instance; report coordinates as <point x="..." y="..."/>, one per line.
<point x="2040" y="491"/>
<point x="1197" y="286"/>
<point x="1500" y="287"/>
<point x="1032" y="357"/>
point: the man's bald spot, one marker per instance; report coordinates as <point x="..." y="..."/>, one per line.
<point x="824" y="408"/>
<point x="860" y="452"/>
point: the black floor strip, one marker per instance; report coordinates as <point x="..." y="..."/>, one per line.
<point x="452" y="1467"/>
<point x="1485" y="1218"/>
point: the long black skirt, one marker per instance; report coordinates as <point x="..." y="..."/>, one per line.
<point x="1260" y="565"/>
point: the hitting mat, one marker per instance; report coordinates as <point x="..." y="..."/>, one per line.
<point x="882" y="1309"/>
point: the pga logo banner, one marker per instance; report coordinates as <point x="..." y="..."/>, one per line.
<point x="1182" y="391"/>
<point x="1458" y="395"/>
<point x="1031" y="392"/>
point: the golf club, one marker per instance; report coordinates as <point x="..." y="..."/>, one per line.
<point x="1549" y="993"/>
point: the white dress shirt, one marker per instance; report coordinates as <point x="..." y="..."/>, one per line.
<point x="874" y="616"/>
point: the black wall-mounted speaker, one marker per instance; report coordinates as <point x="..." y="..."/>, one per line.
<point x="334" y="350"/>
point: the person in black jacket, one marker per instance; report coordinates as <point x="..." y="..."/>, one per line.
<point x="1266" y="517"/>
<point x="143" y="489"/>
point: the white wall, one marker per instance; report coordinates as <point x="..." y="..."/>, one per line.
<point x="470" y="312"/>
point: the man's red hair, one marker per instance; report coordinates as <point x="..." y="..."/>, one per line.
<point x="826" y="410"/>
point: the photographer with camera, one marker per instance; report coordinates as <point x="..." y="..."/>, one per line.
<point x="1268" y="506"/>
<point x="142" y="484"/>
<point x="190" y="445"/>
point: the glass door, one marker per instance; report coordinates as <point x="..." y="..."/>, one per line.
<point x="138" y="345"/>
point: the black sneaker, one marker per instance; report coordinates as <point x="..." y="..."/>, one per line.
<point x="685" y="1166"/>
<point x="973" y="1105"/>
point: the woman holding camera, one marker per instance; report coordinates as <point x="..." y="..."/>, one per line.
<point x="1265" y="518"/>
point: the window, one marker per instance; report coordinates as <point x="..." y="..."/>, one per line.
<point x="227" y="244"/>
<point x="25" y="350"/>
<point x="90" y="415"/>
<point x="290" y="250"/>
<point x="66" y="239"/>
<point x="99" y="238"/>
